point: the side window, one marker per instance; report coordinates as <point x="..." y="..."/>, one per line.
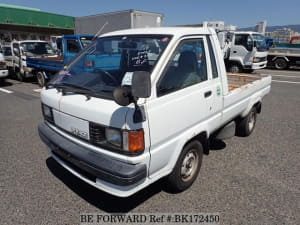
<point x="244" y="40"/>
<point x="73" y="46"/>
<point x="186" y="67"/>
<point x="59" y="44"/>
<point x="214" y="68"/>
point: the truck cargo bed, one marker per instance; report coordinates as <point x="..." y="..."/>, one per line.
<point x="237" y="80"/>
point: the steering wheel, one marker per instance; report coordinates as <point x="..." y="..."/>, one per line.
<point x="107" y="74"/>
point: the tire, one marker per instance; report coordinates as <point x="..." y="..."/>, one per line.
<point x="234" y="68"/>
<point x="246" y="125"/>
<point x="187" y="167"/>
<point x="19" y="76"/>
<point x="280" y="64"/>
<point x="41" y="79"/>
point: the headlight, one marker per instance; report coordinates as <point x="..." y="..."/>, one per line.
<point x="47" y="112"/>
<point x="256" y="59"/>
<point x="113" y="136"/>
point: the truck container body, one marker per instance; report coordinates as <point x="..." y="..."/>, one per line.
<point x="116" y="21"/>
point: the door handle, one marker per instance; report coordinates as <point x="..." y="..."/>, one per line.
<point x="207" y="94"/>
<point x="234" y="51"/>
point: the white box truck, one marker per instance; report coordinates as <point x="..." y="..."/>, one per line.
<point x="142" y="104"/>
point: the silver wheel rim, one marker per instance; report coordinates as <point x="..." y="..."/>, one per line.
<point x="251" y="121"/>
<point x="189" y="165"/>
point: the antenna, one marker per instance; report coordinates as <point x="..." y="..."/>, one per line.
<point x="96" y="35"/>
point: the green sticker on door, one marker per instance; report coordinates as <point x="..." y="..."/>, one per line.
<point x="218" y="91"/>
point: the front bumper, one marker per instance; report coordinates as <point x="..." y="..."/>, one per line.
<point x="3" y="73"/>
<point x="259" y="65"/>
<point x="87" y="162"/>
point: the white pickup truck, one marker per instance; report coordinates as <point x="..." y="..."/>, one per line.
<point x="142" y="104"/>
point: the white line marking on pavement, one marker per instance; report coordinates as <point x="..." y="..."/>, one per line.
<point x="37" y="90"/>
<point x="6" y="91"/>
<point x="277" y="75"/>
<point x="285" y="81"/>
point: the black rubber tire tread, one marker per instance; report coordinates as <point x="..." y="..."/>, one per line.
<point x="242" y="125"/>
<point x="174" y="182"/>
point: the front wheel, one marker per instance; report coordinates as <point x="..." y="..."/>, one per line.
<point x="234" y="68"/>
<point x="187" y="167"/>
<point x="19" y="76"/>
<point x="41" y="79"/>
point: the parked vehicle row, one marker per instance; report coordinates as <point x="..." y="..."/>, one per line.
<point x="122" y="126"/>
<point x="30" y="58"/>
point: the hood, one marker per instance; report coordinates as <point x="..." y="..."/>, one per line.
<point x="97" y="110"/>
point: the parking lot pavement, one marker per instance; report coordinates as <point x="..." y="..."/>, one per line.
<point x="252" y="180"/>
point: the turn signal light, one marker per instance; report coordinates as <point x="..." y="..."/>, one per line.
<point x="135" y="141"/>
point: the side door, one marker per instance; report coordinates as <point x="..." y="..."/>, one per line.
<point x="242" y="50"/>
<point x="184" y="102"/>
<point x="71" y="48"/>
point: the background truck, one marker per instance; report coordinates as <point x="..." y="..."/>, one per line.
<point x="21" y="50"/>
<point x="243" y="50"/>
<point x="3" y="66"/>
<point x="152" y="115"/>
<point x="67" y="47"/>
<point x="282" y="56"/>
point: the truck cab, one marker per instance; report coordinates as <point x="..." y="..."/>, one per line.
<point x="21" y="50"/>
<point x="142" y="104"/>
<point x="66" y="48"/>
<point x="243" y="51"/>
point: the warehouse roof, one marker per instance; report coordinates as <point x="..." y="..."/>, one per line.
<point x="31" y="17"/>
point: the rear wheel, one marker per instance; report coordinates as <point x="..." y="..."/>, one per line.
<point x="246" y="125"/>
<point x="280" y="64"/>
<point x="41" y="79"/>
<point x="187" y="167"/>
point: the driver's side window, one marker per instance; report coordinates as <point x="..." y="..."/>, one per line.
<point x="186" y="67"/>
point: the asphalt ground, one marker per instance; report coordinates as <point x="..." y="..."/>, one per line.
<point x="253" y="180"/>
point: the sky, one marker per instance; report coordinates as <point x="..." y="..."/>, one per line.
<point x="242" y="13"/>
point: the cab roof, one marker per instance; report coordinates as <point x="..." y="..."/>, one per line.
<point x="175" y="31"/>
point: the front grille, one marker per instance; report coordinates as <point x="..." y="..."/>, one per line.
<point x="97" y="133"/>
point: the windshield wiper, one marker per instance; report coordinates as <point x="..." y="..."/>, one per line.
<point x="68" y="87"/>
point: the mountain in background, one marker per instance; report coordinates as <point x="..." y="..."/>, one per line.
<point x="272" y="28"/>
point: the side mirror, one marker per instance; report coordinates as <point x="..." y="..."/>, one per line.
<point x="16" y="51"/>
<point x="141" y="84"/>
<point x="140" y="88"/>
<point x="254" y="44"/>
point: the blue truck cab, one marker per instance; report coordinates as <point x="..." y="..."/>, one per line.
<point x="67" y="47"/>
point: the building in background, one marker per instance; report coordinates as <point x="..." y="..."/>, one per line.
<point x="283" y="35"/>
<point x="107" y="22"/>
<point x="261" y="27"/>
<point x="23" y="23"/>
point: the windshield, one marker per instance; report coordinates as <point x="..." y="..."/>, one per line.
<point x="103" y="64"/>
<point x="260" y="42"/>
<point x="37" y="48"/>
<point x="7" y="51"/>
<point x="85" y="41"/>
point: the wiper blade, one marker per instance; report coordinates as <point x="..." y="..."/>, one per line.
<point x="67" y="87"/>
